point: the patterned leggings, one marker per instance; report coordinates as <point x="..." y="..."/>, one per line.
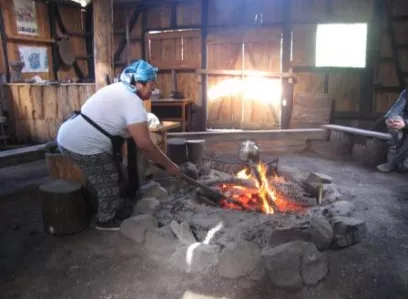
<point x="101" y="171"/>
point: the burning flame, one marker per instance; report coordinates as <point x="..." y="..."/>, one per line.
<point x="264" y="190"/>
<point x="263" y="198"/>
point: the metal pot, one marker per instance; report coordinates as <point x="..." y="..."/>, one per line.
<point x="249" y="151"/>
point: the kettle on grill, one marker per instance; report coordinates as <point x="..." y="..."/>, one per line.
<point x="249" y="151"/>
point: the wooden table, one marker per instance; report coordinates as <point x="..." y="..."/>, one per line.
<point x="183" y="104"/>
<point x="162" y="130"/>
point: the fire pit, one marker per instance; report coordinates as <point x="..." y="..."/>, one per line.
<point x="266" y="192"/>
<point x="273" y="222"/>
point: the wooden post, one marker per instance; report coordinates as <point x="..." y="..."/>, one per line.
<point x="4" y="42"/>
<point x="204" y="78"/>
<point x="286" y="50"/>
<point x="103" y="41"/>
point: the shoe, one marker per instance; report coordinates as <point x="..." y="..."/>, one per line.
<point x="110" y="225"/>
<point x="386" y="167"/>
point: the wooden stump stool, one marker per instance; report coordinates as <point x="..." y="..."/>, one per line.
<point x="64" y="207"/>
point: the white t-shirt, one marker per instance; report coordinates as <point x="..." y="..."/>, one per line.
<point x="113" y="107"/>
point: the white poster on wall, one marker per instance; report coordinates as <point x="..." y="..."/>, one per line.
<point x="35" y="59"/>
<point x="26" y="17"/>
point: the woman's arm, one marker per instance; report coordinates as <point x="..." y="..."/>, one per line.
<point x="141" y="135"/>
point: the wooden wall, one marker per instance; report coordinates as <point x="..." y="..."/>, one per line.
<point x="37" y="111"/>
<point x="246" y="35"/>
<point x="392" y="63"/>
<point x="73" y="19"/>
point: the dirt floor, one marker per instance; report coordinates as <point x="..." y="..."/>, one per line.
<point x="96" y="264"/>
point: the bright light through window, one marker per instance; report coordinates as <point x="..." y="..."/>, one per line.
<point x="341" y="45"/>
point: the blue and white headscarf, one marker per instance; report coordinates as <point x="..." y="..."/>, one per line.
<point x="140" y="71"/>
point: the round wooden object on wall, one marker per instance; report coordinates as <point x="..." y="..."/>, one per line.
<point x="65" y="51"/>
<point x="196" y="150"/>
<point x="64" y="208"/>
<point x="177" y="150"/>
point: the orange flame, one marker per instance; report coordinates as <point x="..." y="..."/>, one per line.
<point x="259" y="198"/>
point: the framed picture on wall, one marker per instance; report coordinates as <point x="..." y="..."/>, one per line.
<point x="26" y="17"/>
<point x="35" y="59"/>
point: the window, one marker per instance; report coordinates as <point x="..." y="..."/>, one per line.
<point x="341" y="45"/>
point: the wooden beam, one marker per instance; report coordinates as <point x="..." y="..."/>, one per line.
<point x="127" y="36"/>
<point x="89" y="41"/>
<point x="393" y="41"/>
<point x="358" y="131"/>
<point x="66" y="3"/>
<point x="144" y="43"/>
<point x="103" y="41"/>
<point x="221" y="27"/>
<point x="173" y="20"/>
<point x="4" y="42"/>
<point x="356" y="115"/>
<point x="230" y="135"/>
<point x="373" y="53"/>
<point x="27" y="39"/>
<point x="204" y="77"/>
<point x="286" y="110"/>
<point x="314" y="69"/>
<point x="129" y="26"/>
<point x="239" y="73"/>
<point x="53" y="31"/>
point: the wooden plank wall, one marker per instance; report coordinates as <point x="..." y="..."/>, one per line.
<point x="232" y="45"/>
<point x="386" y="72"/>
<point x="73" y="21"/>
<point x="37" y="111"/>
<point x="121" y="15"/>
<point x="342" y="85"/>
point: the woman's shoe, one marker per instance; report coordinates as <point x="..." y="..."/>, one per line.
<point x="110" y="225"/>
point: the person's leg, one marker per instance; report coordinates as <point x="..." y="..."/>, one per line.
<point x="101" y="171"/>
<point x="392" y="150"/>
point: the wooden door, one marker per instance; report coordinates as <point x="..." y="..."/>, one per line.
<point x="224" y="101"/>
<point x="262" y="99"/>
<point x="235" y="102"/>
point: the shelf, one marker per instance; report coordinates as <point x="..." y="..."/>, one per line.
<point x="30" y="39"/>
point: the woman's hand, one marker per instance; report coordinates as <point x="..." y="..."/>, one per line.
<point x="173" y="170"/>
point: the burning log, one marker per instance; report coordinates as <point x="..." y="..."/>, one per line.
<point x="208" y="198"/>
<point x="231" y="181"/>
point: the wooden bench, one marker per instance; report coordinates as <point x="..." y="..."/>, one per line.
<point x="358" y="131"/>
<point x="219" y="142"/>
<point x="369" y="147"/>
<point x="21" y="155"/>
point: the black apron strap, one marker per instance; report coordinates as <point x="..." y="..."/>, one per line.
<point x="116" y="141"/>
<point x="133" y="173"/>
